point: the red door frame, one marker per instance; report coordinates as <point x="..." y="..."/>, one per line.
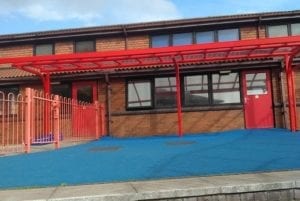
<point x="76" y="85"/>
<point x="269" y="90"/>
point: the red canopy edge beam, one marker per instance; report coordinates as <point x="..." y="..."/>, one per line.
<point x="244" y="44"/>
<point x="178" y="99"/>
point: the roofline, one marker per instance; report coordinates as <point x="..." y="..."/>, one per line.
<point x="148" y="26"/>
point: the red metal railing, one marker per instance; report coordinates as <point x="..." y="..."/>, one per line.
<point x="35" y="118"/>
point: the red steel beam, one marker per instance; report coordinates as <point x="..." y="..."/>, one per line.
<point x="178" y="99"/>
<point x="291" y="93"/>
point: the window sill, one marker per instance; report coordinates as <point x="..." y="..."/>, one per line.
<point x="185" y="109"/>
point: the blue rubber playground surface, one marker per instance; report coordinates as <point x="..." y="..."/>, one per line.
<point x="131" y="159"/>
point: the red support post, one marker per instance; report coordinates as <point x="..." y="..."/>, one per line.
<point x="97" y="122"/>
<point x="28" y="113"/>
<point x="56" y="129"/>
<point x="178" y="98"/>
<point x="291" y="93"/>
<point x="47" y="90"/>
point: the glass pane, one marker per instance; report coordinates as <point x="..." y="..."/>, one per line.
<point x="256" y="83"/>
<point x="295" y="29"/>
<point x="277" y="31"/>
<point x="182" y="39"/>
<point x="85" y="46"/>
<point x="165" y="92"/>
<point x="226" y="88"/>
<point x="205" y="37"/>
<point x="85" y="94"/>
<point x="160" y="41"/>
<point x="196" y="90"/>
<point x="63" y="90"/>
<point x="45" y="49"/>
<point x="139" y="94"/>
<point x="228" y="35"/>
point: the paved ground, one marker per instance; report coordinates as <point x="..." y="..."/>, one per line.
<point x="115" y="160"/>
<point x="255" y="187"/>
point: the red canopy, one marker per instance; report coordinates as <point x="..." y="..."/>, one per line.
<point x="282" y="47"/>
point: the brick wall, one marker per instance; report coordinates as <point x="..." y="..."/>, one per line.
<point x="138" y="42"/>
<point x="248" y="33"/>
<point x="106" y="44"/>
<point x="64" y="47"/>
<point x="166" y="123"/>
<point x="16" y="51"/>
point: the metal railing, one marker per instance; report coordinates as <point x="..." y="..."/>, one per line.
<point x="35" y="118"/>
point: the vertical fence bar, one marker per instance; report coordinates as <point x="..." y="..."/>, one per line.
<point x="28" y="101"/>
<point x="97" y="113"/>
<point x="56" y="122"/>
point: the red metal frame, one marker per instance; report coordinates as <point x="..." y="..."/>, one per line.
<point x="281" y="47"/>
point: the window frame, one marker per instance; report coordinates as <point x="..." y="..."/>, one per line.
<point x="151" y="81"/>
<point x="35" y="47"/>
<point x="78" y="41"/>
<point x="289" y="29"/>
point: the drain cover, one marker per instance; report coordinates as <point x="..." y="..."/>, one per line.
<point x="103" y="149"/>
<point x="180" y="143"/>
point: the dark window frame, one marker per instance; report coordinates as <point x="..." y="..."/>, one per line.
<point x="182" y="95"/>
<point x="35" y="46"/>
<point x="148" y="79"/>
<point x="289" y="29"/>
<point x="76" y="41"/>
<point x="194" y="32"/>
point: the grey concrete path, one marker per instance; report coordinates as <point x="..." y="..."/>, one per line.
<point x="186" y="188"/>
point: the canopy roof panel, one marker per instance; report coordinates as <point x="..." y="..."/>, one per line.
<point x="219" y="51"/>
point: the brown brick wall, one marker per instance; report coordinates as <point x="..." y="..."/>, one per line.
<point x="262" y="32"/>
<point x="16" y="51"/>
<point x="248" y="33"/>
<point x="117" y="94"/>
<point x="138" y="42"/>
<point x="106" y="44"/>
<point x="64" y="47"/>
<point x="166" y="123"/>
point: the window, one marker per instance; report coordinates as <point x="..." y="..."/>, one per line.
<point x="182" y="39"/>
<point x="196" y="90"/>
<point x="295" y="29"/>
<point x="63" y="90"/>
<point x="256" y="83"/>
<point x="165" y="92"/>
<point x="226" y="88"/>
<point x="139" y="94"/>
<point x="278" y="30"/>
<point x="85" y="46"/>
<point x="43" y="49"/>
<point x="8" y="98"/>
<point x="228" y="35"/>
<point x="205" y="37"/>
<point x="160" y="41"/>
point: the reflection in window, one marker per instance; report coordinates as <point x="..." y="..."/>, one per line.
<point x="84" y="46"/>
<point x="85" y="94"/>
<point x="196" y="90"/>
<point x="160" y="41"/>
<point x="8" y="100"/>
<point x="278" y="30"/>
<point x="43" y="49"/>
<point x="63" y="90"/>
<point x="139" y="94"/>
<point x="295" y="29"/>
<point x="205" y="37"/>
<point x="228" y="35"/>
<point x="226" y="88"/>
<point x="182" y="39"/>
<point x="165" y="92"/>
<point x="256" y="83"/>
